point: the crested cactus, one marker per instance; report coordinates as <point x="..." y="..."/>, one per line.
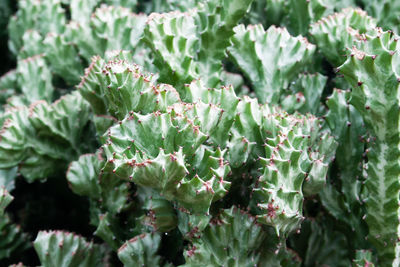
<point x="336" y="33"/>
<point x="198" y="133"/>
<point x="106" y="85"/>
<point x="85" y="178"/>
<point x="141" y="251"/>
<point x="117" y="27"/>
<point x="161" y="213"/>
<point x="58" y="248"/>
<point x="8" y="86"/>
<point x="270" y="59"/>
<point x="27" y="135"/>
<point x="294" y="164"/>
<point x="69" y="66"/>
<point x="43" y="16"/>
<point x="303" y="12"/>
<point x="34" y="73"/>
<point x="31" y="44"/>
<point x="12" y="239"/>
<point x="386" y="12"/>
<point x="7" y="177"/>
<point x="189" y="45"/>
<point x="232" y="239"/>
<point x="163" y="160"/>
<point x="5" y="13"/>
<point x="81" y="10"/>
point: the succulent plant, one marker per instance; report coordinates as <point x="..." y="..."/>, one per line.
<point x="199" y="133"/>
<point x="58" y="248"/>
<point x="371" y="70"/>
<point x="13" y="240"/>
<point x="270" y="59"/>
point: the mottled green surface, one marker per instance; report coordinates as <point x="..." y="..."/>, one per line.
<point x="199" y="133"/>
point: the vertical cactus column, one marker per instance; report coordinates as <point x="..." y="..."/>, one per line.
<point x="373" y="71"/>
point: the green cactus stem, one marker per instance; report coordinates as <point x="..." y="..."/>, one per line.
<point x="372" y="70"/>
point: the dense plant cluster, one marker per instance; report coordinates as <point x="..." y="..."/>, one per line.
<point x="199" y="133"/>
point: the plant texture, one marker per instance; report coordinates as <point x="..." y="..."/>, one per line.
<point x="199" y="133"/>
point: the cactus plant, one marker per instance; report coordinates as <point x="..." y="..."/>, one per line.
<point x="27" y="135"/>
<point x="12" y="238"/>
<point x="188" y="45"/>
<point x="386" y="12"/>
<point x="371" y="70"/>
<point x="270" y="59"/>
<point x="141" y="251"/>
<point x="199" y="133"/>
<point x="336" y="33"/>
<point x="57" y="248"/>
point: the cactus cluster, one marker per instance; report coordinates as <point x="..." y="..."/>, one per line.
<point x="199" y="133"/>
